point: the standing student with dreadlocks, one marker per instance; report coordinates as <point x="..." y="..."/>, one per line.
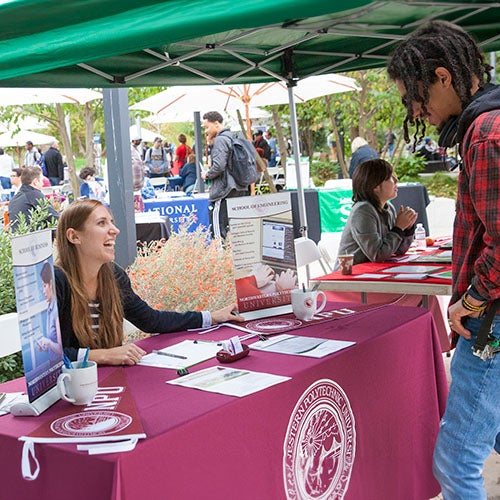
<point x="443" y="79"/>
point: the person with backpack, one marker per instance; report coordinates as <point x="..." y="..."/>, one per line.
<point x="32" y="156"/>
<point x="226" y="181"/>
<point x="158" y="160"/>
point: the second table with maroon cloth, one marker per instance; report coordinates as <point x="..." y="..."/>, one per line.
<point x="362" y="421"/>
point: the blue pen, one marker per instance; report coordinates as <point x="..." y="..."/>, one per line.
<point x="67" y="361"/>
<point x="85" y="357"/>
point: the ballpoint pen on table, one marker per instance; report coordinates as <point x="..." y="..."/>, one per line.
<point x="162" y="353"/>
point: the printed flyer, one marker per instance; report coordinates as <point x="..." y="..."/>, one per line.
<point x="37" y="311"/>
<point x="262" y="241"/>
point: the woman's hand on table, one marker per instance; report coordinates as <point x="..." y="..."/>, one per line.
<point x="406" y="217"/>
<point x="228" y="313"/>
<point x="128" y="354"/>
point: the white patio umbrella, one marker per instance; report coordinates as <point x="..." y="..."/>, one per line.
<point x="21" y="96"/>
<point x="19" y="139"/>
<point x="144" y="134"/>
<point x="179" y="103"/>
<point x="8" y="139"/>
<point x="185" y="99"/>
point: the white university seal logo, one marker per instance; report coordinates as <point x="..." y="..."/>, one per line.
<point x="320" y="444"/>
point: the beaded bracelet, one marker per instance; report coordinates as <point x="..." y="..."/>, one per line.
<point x="471" y="307"/>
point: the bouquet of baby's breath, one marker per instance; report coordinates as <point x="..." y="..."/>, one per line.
<point x="188" y="272"/>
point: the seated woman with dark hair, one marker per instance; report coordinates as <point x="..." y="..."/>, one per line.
<point x="94" y="294"/>
<point x="375" y="229"/>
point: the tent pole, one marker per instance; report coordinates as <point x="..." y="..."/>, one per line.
<point x="121" y="195"/>
<point x="296" y="157"/>
<point x="199" y="151"/>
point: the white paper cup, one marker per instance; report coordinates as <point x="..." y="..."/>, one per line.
<point x="305" y="304"/>
<point x="78" y="385"/>
<point x="346" y="262"/>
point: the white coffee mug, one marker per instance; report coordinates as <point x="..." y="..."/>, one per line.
<point x="78" y="385"/>
<point x="305" y="304"/>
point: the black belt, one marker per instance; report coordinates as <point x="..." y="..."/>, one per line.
<point x="486" y="345"/>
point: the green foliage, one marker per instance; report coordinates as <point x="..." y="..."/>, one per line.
<point x="440" y="184"/>
<point x="408" y="168"/>
<point x="38" y="219"/>
<point x="7" y="295"/>
<point x="11" y="367"/>
<point x="321" y="171"/>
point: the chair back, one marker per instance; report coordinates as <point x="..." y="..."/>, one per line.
<point x="307" y="253"/>
<point x="10" y="340"/>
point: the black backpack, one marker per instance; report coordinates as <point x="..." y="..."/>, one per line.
<point x="243" y="166"/>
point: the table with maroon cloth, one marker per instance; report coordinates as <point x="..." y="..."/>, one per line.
<point x="202" y="445"/>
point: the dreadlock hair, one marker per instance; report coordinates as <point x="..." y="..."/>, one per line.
<point x="436" y="44"/>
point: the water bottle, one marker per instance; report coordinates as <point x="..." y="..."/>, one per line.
<point x="420" y="237"/>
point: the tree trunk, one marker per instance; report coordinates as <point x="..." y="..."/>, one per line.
<point x="340" y="151"/>
<point x="68" y="151"/>
<point x="89" y="118"/>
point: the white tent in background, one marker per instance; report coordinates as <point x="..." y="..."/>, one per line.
<point x="9" y="139"/>
<point x="179" y="103"/>
<point x="144" y="134"/>
<point x="22" y="96"/>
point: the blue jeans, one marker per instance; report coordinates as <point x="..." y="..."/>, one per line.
<point x="5" y="181"/>
<point x="470" y="427"/>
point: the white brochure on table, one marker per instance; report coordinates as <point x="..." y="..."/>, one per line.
<point x="229" y="381"/>
<point x="301" y="346"/>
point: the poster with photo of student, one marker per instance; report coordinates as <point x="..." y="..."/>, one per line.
<point x="37" y="311"/>
<point x="262" y="242"/>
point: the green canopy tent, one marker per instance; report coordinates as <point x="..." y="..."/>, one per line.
<point x="109" y="44"/>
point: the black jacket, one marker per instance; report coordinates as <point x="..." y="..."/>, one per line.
<point x="135" y="310"/>
<point x="25" y="200"/>
<point x="54" y="163"/>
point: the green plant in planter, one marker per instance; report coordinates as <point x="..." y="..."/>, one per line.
<point x="12" y="366"/>
<point x="321" y="171"/>
<point x="409" y="168"/>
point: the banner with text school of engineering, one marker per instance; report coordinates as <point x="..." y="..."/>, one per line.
<point x="262" y="241"/>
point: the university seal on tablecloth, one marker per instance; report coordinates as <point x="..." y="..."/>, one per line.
<point x="320" y="444"/>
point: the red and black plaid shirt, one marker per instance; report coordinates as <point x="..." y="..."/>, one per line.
<point x="476" y="234"/>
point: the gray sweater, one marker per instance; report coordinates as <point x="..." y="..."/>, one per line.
<point x="369" y="235"/>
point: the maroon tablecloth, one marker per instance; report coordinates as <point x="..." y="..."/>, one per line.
<point x="202" y="445"/>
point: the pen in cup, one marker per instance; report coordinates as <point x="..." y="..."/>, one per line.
<point x="85" y="358"/>
<point x="171" y="355"/>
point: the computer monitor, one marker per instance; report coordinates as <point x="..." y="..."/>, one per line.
<point x="277" y="244"/>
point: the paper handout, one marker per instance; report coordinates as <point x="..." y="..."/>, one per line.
<point x="301" y="346"/>
<point x="182" y="355"/>
<point x="229" y="381"/>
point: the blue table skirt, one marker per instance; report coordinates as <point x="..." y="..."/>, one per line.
<point x="177" y="209"/>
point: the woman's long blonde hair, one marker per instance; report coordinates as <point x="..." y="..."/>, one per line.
<point x="108" y="296"/>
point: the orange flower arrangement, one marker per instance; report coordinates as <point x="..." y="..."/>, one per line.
<point x="188" y="272"/>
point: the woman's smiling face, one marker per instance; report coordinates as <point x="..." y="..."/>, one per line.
<point x="95" y="243"/>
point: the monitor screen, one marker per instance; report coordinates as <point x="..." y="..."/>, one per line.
<point x="278" y="244"/>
